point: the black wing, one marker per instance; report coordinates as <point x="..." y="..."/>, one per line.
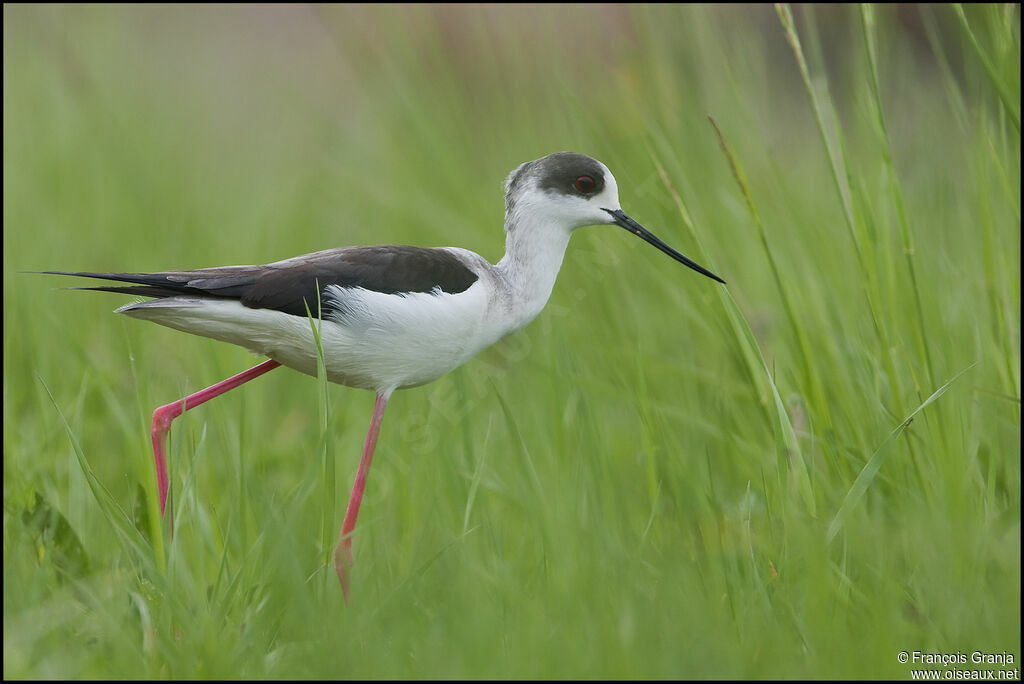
<point x="290" y="285"/>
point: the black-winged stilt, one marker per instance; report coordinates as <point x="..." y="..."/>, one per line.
<point x="392" y="316"/>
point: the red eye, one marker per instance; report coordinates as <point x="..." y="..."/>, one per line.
<point x="585" y="184"/>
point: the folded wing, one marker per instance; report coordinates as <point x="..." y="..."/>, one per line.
<point x="290" y="285"/>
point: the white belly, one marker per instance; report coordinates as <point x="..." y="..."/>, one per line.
<point x="370" y="340"/>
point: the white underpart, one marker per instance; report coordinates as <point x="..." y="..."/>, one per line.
<point x="381" y="342"/>
<point x="384" y="342"/>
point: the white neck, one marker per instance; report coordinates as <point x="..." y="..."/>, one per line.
<point x="533" y="255"/>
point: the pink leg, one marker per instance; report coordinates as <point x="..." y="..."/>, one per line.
<point x="163" y="416"/>
<point x="343" y="551"/>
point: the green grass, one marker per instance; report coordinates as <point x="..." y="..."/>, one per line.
<point x="798" y="475"/>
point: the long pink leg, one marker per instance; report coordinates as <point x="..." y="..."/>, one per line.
<point x="343" y="551"/>
<point x="163" y="416"/>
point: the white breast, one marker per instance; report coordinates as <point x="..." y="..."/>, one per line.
<point x="371" y="340"/>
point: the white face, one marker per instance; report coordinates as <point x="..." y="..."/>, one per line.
<point x="590" y="210"/>
<point x="565" y="191"/>
<point x="579" y="197"/>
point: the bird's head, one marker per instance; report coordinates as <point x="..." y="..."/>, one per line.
<point x="566" y="190"/>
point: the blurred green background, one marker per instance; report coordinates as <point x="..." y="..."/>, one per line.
<point x="659" y="477"/>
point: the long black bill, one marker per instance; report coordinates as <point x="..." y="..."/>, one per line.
<point x="621" y="219"/>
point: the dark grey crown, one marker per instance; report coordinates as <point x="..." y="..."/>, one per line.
<point x="555" y="173"/>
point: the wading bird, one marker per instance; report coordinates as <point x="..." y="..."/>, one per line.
<point x="392" y="316"/>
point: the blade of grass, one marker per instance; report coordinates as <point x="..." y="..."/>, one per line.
<point x="133" y="542"/>
<point x="953" y="92"/>
<point x="787" y="447"/>
<point x="647" y="441"/>
<point x="841" y="181"/>
<point x="990" y="70"/>
<point x="810" y="375"/>
<point x="149" y="483"/>
<point x="870" y="469"/>
<point x="540" y="503"/>
<point x="328" y="466"/>
<point x="867" y="15"/>
<point x="994" y="257"/>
